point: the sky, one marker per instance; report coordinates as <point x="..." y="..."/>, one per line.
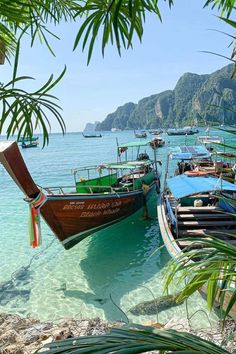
<point x="168" y="50"/>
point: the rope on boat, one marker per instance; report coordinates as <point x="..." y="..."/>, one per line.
<point x="34" y="220"/>
<point x="20" y="273"/>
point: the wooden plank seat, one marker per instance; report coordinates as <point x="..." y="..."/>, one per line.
<point x="220" y="216"/>
<point x="204" y="209"/>
<point x="220" y="233"/>
<point x="186" y="243"/>
<point x="206" y="223"/>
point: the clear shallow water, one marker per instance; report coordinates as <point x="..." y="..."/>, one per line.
<point x="116" y="266"/>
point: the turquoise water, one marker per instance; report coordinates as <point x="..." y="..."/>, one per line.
<point x="117" y="267"/>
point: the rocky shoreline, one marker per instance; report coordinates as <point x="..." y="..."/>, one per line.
<point x="20" y="335"/>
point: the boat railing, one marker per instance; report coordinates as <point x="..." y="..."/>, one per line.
<point x="91" y="189"/>
<point x="85" y="168"/>
<point x="107" y="189"/>
<point x="59" y="190"/>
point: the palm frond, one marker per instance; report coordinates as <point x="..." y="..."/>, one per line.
<point x="136" y="339"/>
<point x="117" y="20"/>
<point x="23" y="112"/>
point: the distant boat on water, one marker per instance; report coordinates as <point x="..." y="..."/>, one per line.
<point x="192" y="129"/>
<point x="26" y="145"/>
<point x="178" y="132"/>
<point x="92" y="135"/>
<point x="156" y="132"/>
<point x="28" y="139"/>
<point x="114" y="130"/>
<point x="182" y="131"/>
<point x="141" y="134"/>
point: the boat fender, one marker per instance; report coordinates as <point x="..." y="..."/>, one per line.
<point x="198" y="203"/>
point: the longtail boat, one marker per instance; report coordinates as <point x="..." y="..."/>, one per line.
<point x="189" y="207"/>
<point x="156" y="132"/>
<point x="92" y="135"/>
<point x="28" y="139"/>
<point x="198" y="161"/>
<point x="140" y="135"/>
<point x="101" y="196"/>
<point x="29" y="145"/>
<point x="180" y="132"/>
<point x="209" y="139"/>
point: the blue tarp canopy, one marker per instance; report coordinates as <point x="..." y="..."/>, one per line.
<point x="183" y="186"/>
<point x="189" y="152"/>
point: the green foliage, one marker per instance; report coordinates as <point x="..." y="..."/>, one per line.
<point x="136" y="339"/>
<point x="118" y="20"/>
<point x="24" y="16"/>
<point x="213" y="261"/>
<point x="118" y="119"/>
<point x="226" y="6"/>
<point x="23" y="112"/>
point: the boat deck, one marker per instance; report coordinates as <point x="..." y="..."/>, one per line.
<point x="203" y="221"/>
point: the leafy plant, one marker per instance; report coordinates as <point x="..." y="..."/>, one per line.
<point x="213" y="264"/>
<point x="23" y="111"/>
<point x="136" y="339"/>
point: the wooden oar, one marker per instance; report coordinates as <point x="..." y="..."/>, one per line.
<point x="13" y="162"/>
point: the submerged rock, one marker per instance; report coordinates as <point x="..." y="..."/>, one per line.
<point x="155" y="306"/>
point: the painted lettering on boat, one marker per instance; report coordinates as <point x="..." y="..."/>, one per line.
<point x="92" y="214"/>
<point x="97" y="206"/>
<point x="111" y="211"/>
<point x="107" y="207"/>
<point x="73" y="207"/>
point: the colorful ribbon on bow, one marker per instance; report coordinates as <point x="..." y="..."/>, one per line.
<point x="34" y="220"/>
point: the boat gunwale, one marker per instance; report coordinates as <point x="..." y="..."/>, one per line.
<point x="94" y="195"/>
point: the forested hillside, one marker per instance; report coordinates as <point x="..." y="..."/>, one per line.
<point x="196" y="99"/>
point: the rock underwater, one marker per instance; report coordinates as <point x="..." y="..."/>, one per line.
<point x="155" y="306"/>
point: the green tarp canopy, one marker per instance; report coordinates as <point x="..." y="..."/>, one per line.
<point x="131" y="166"/>
<point x="143" y="142"/>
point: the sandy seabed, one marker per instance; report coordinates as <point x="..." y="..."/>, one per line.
<point x="19" y="335"/>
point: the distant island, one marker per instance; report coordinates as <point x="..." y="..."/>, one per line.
<point x="90" y="127"/>
<point x="195" y="100"/>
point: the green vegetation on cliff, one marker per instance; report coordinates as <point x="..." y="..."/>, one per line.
<point x="196" y="99"/>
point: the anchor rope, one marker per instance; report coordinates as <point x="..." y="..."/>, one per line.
<point x="35" y="237"/>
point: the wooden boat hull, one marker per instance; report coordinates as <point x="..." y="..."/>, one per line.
<point x="174" y="250"/>
<point x="74" y="217"/>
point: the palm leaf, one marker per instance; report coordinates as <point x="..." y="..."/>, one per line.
<point x="136" y="339"/>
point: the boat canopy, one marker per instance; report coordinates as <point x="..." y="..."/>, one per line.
<point x="132" y="165"/>
<point x="189" y="152"/>
<point x="183" y="186"/>
<point x="207" y="139"/>
<point x="143" y="142"/>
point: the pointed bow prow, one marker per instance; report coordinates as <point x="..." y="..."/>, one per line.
<point x="13" y="162"/>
